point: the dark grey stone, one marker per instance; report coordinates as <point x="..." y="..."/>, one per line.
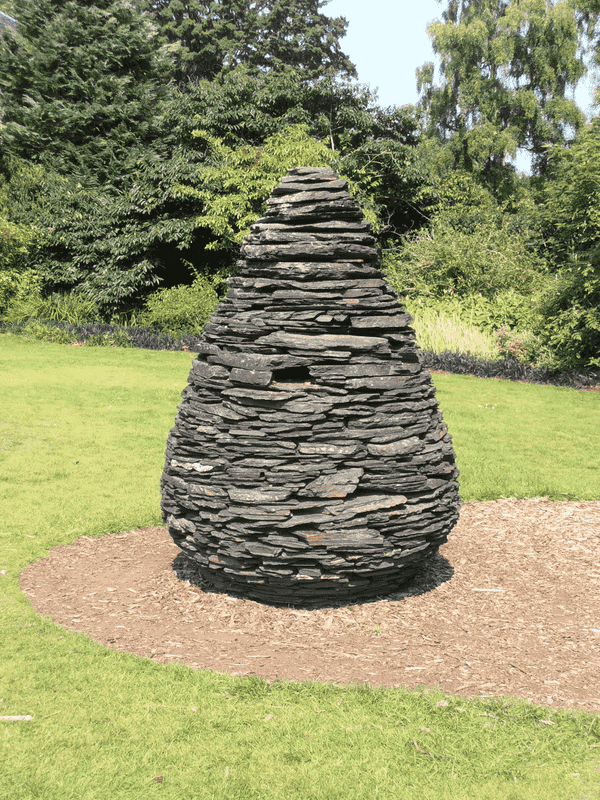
<point x="297" y="341"/>
<point x="309" y="463"/>
<point x="252" y="376"/>
<point x="307" y="238"/>
<point x="294" y="186"/>
<point x="386" y="322"/>
<point x="315" y="249"/>
<point x="310" y="195"/>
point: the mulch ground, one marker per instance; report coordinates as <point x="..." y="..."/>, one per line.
<point x="510" y="606"/>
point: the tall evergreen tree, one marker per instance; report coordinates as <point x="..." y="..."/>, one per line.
<point x="80" y="82"/>
<point x="215" y="36"/>
<point x="507" y="69"/>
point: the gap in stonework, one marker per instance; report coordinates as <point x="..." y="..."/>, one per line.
<point x="292" y="375"/>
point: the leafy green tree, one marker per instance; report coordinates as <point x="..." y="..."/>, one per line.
<point x="241" y="107"/>
<point x="507" y="67"/>
<point x="570" y="226"/>
<point x="80" y="82"/>
<point x="119" y="245"/>
<point x="214" y="36"/>
<point x="233" y="192"/>
<point x="373" y="147"/>
<point x="183" y="215"/>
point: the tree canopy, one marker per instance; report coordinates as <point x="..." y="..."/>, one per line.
<point x="141" y="137"/>
<point x="215" y="36"/>
<point x="507" y="67"/>
<point x="80" y="82"/>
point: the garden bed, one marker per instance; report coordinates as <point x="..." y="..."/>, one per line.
<point x="510" y="606"/>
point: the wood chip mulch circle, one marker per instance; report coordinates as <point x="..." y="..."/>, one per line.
<point x="510" y="606"/>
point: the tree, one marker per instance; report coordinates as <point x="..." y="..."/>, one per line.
<point x="117" y="246"/>
<point x="234" y="190"/>
<point x="372" y="146"/>
<point x="183" y="213"/>
<point x="507" y="66"/>
<point x="215" y="36"/>
<point x="570" y="236"/>
<point x="80" y="82"/>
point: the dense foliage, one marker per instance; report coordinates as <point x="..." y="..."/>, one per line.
<point x="80" y="83"/>
<point x="140" y="138"/>
<point x="571" y="226"/>
<point x="211" y="37"/>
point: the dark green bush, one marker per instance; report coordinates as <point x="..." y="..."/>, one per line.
<point x="570" y="223"/>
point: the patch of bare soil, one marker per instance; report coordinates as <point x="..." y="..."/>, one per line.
<point x="510" y="606"/>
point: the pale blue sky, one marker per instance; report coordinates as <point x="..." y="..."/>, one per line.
<point x="387" y="40"/>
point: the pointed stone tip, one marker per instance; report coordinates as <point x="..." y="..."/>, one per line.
<point x="311" y="170"/>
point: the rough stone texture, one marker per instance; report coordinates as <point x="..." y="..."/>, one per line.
<point x="309" y="463"/>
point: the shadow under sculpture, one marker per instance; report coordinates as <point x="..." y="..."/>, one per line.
<point x="309" y="463"/>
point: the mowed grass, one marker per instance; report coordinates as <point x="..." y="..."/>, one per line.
<point x="82" y="436"/>
<point x="516" y="439"/>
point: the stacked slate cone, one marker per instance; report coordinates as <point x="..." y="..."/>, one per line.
<point x="309" y="464"/>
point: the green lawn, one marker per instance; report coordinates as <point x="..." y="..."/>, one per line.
<point x="82" y="435"/>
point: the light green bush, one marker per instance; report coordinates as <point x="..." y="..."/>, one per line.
<point x="16" y="243"/>
<point x="441" y="261"/>
<point x="440" y="332"/>
<point x="28" y="303"/>
<point x="507" y="309"/>
<point x="47" y="333"/>
<point x="76" y="308"/>
<point x="182" y="309"/>
<point x="17" y="287"/>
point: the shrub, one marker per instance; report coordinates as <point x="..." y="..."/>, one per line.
<point x="523" y="346"/>
<point x="570" y="228"/>
<point x="16" y="243"/>
<point x="442" y="261"/>
<point x="571" y="329"/>
<point x="17" y="286"/>
<point x="182" y="309"/>
<point x="28" y="303"/>
<point x="507" y="309"/>
<point x="47" y="333"/>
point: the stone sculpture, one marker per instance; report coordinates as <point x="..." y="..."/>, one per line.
<point x="309" y="463"/>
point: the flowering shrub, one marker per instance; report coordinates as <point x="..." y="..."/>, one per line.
<point x="521" y="346"/>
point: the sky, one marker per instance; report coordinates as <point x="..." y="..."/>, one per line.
<point x="387" y="40"/>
